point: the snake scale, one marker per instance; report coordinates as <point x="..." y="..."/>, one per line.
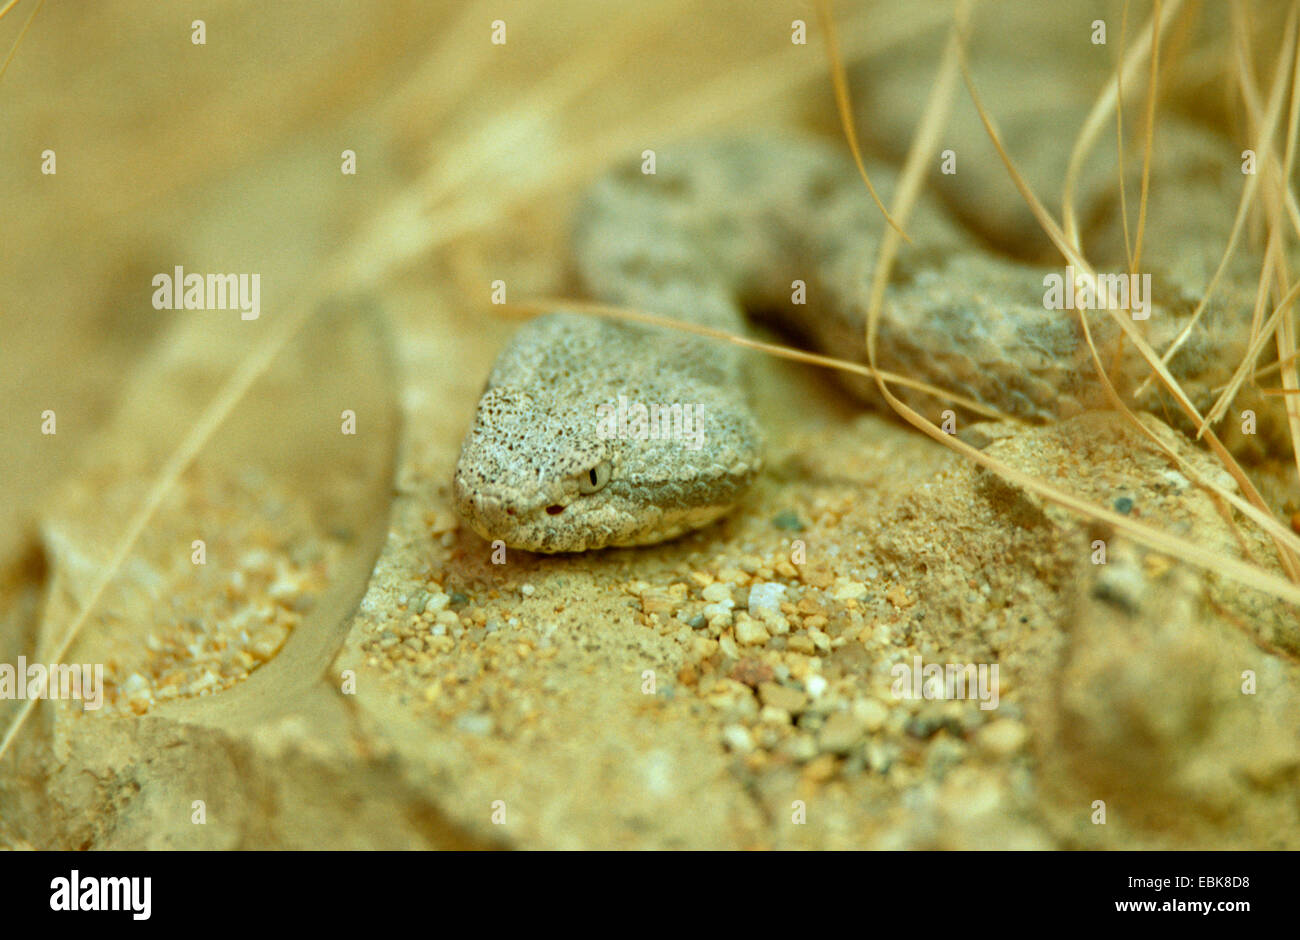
<point x="725" y="227"/>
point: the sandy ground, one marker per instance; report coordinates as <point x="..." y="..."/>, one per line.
<point x="351" y="667"/>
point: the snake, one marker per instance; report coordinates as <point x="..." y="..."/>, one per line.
<point x="778" y="228"/>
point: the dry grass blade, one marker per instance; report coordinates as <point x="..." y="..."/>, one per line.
<point x="537" y="306"/>
<point x="504" y="131"/>
<point x="1283" y="329"/>
<point x="1247" y="198"/>
<point x="21" y="33"/>
<point x="1096" y="119"/>
<point x="1134" y="252"/>
<point x="1067" y="207"/>
<point x="424" y="223"/>
<point x="844" y="104"/>
<point x="1247" y="362"/>
<point x="1286" y="332"/>
<point x="1149" y="142"/>
<point x="1268" y="369"/>
<point x="216" y="412"/>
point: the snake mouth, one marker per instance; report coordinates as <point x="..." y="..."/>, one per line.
<point x="554" y="510"/>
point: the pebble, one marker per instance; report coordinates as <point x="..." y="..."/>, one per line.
<point x="717" y="615"/>
<point x="718" y="593"/>
<point x="737" y="739"/>
<point x="799" y="748"/>
<point x="841" y="731"/>
<point x="815" y="685"/>
<point x="846" y="590"/>
<point x="820" y="769"/>
<point x="879" y="757"/>
<point x="771" y="715"/>
<point x="766" y="597"/>
<point x="933" y="717"/>
<point x="801" y="644"/>
<point x="1003" y="737"/>
<point x="777" y="624"/>
<point x="751" y="671"/>
<point x="728" y="647"/>
<point x="1121" y="584"/>
<point x="1176" y="479"/>
<point x="705" y="647"/>
<point x="898" y="596"/>
<point x="730" y="694"/>
<point x="479" y="723"/>
<point x="789" y="700"/>
<point x="749" y="632"/>
<point x="870" y="713"/>
<point x="788" y="521"/>
<point x="658" y="602"/>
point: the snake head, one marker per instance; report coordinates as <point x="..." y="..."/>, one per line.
<point x="527" y="472"/>
<point x="547" y="466"/>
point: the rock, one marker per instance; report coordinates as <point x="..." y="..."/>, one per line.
<point x="765" y="598"/>
<point x="799" y="748"/>
<point x="788" y="521"/>
<point x="820" y="769"/>
<point x="718" y="593"/>
<point x="846" y="590"/>
<point x="737" y="739"/>
<point x="477" y="723"/>
<point x="749" y="632"/>
<point x="870" y="713"/>
<point x="800" y="643"/>
<point x="782" y="697"/>
<point x="841" y="731"/>
<point x="1003" y="737"/>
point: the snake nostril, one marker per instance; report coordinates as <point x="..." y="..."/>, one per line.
<point x="554" y="510"/>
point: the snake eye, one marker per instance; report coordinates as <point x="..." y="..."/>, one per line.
<point x="594" y="479"/>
